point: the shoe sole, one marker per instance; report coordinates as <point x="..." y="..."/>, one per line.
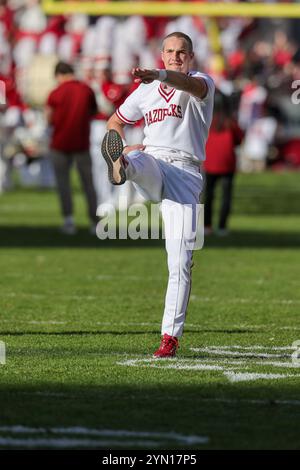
<point x="112" y="148"/>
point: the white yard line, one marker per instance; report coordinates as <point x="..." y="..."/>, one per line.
<point x="222" y="352"/>
<point x="238" y="300"/>
<point x="193" y="298"/>
<point x="247" y="376"/>
<point x="201" y="326"/>
<point x="46" y="322"/>
<point x="170" y="364"/>
<point x="138" y="434"/>
<point x="129" y="324"/>
<point x="236" y="363"/>
<point x="156" y="324"/>
<point x="203" y="364"/>
<point x="270" y="327"/>
<point x="255" y="346"/>
<point x="233" y="370"/>
<point x="285" y="365"/>
<point x="128" y="277"/>
<point x="63" y="443"/>
<point x="45" y="296"/>
<point x="290" y="327"/>
<point x="82" y="431"/>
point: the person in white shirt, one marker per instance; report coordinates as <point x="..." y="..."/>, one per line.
<point x="177" y="106"/>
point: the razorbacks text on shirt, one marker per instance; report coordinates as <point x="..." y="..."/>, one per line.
<point x="173" y="118"/>
<point x="158" y="115"/>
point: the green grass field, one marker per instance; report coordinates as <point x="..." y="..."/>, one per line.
<point x="80" y="319"/>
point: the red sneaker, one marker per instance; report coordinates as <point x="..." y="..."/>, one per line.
<point x="168" y="347"/>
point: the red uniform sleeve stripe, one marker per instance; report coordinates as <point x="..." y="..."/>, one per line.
<point x="123" y="118"/>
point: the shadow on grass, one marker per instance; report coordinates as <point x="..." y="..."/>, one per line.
<point x="78" y="333"/>
<point x="31" y="237"/>
<point x="116" y="332"/>
<point x="231" y="416"/>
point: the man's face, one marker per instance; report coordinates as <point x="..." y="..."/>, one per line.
<point x="176" y="55"/>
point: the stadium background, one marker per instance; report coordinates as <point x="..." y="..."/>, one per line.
<point x="65" y="337"/>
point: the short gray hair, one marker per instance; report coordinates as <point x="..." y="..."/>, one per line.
<point x="179" y="34"/>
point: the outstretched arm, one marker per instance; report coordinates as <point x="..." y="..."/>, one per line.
<point x="195" y="86"/>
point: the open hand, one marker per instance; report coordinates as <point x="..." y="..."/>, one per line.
<point x="144" y="75"/>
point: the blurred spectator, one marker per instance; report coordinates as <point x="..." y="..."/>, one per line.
<point x="255" y="150"/>
<point x="6" y="17"/>
<point x="220" y="163"/>
<point x="11" y="118"/>
<point x="252" y="101"/>
<point x="287" y="114"/>
<point x="69" y="110"/>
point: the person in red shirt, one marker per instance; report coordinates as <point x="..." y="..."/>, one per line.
<point x="220" y="163"/>
<point x="69" y="110"/>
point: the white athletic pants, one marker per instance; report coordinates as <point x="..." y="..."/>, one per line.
<point x="177" y="186"/>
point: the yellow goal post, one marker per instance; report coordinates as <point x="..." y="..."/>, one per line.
<point x="155" y="8"/>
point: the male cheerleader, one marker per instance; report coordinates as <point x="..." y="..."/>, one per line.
<point x="177" y="105"/>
